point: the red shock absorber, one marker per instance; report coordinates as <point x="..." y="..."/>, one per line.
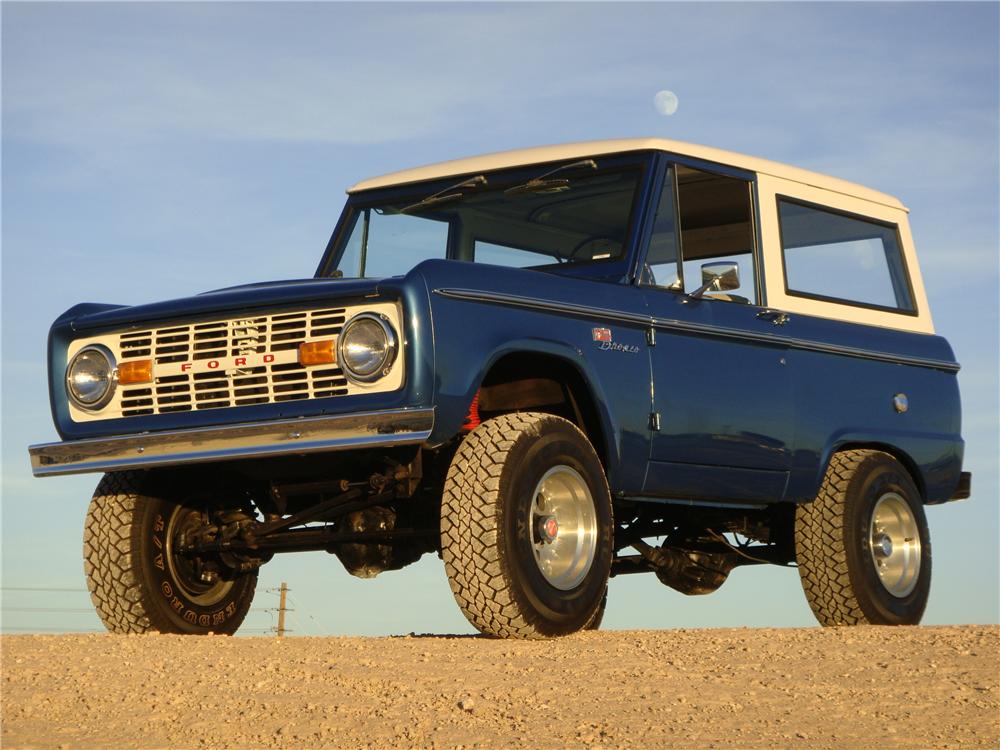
<point x="472" y="420"/>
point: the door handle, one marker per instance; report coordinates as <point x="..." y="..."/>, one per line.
<point x="776" y="317"/>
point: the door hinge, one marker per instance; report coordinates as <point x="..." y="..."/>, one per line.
<point x="650" y="337"/>
<point x="654" y="421"/>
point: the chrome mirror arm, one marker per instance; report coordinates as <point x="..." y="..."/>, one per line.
<point x="709" y="286"/>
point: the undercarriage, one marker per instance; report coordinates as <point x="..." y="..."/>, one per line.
<point x="389" y="518"/>
<point x="373" y="521"/>
<point x="699" y="546"/>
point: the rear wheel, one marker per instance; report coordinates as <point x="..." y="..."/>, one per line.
<point x="598" y="618"/>
<point x="137" y="580"/>
<point x="526" y="527"/>
<point x="863" y="546"/>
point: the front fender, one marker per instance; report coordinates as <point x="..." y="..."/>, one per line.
<point x="455" y="394"/>
<point x="472" y="333"/>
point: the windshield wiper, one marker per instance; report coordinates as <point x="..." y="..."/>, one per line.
<point x="541" y="185"/>
<point x="443" y="196"/>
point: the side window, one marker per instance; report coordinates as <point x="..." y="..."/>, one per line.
<point x="388" y="244"/>
<point x="841" y="258"/>
<point x="701" y="218"/>
<point x="350" y="260"/>
<point x="716" y="227"/>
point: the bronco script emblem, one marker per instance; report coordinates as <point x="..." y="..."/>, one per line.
<point x="603" y="339"/>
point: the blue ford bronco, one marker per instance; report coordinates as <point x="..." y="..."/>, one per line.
<point x="550" y="367"/>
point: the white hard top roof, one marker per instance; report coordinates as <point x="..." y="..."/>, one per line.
<point x="583" y="149"/>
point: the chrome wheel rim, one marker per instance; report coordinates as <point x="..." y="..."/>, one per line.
<point x="894" y="543"/>
<point x="563" y="527"/>
<point x="204" y="594"/>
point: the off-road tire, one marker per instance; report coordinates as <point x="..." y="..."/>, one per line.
<point x="833" y="543"/>
<point x="598" y="618"/>
<point x="131" y="587"/>
<point x="497" y="585"/>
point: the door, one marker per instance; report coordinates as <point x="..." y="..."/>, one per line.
<point x="723" y="426"/>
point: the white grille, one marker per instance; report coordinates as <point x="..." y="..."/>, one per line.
<point x="232" y="362"/>
<point x="225" y="341"/>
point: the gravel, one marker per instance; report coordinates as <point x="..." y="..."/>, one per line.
<point x="861" y="687"/>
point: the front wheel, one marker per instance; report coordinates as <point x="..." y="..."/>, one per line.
<point x="137" y="581"/>
<point x="526" y="527"/>
<point x="863" y="547"/>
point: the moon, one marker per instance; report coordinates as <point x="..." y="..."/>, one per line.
<point x="665" y="102"/>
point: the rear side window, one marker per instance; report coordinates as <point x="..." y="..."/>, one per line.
<point x="841" y="258"/>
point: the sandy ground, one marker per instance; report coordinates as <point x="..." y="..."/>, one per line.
<point x="809" y="688"/>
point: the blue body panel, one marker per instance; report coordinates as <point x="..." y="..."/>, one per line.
<point x="471" y="336"/>
<point x="743" y="417"/>
<point x="841" y="401"/>
<point x="726" y="423"/>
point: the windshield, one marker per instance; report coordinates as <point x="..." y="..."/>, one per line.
<point x="508" y="219"/>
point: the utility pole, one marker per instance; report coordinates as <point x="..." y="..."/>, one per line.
<point x="281" y="610"/>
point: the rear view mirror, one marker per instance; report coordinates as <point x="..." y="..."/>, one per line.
<point x="717" y="277"/>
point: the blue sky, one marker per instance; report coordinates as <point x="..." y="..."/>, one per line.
<point x="157" y="150"/>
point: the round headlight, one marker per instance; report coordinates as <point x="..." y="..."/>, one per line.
<point x="90" y="377"/>
<point x="367" y="347"/>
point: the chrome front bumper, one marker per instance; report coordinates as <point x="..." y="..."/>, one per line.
<point x="259" y="439"/>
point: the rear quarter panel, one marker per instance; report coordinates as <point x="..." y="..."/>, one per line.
<point x="842" y="400"/>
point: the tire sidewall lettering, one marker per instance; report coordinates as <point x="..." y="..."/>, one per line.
<point x="174" y="603"/>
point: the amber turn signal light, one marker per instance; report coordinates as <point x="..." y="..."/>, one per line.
<point x="317" y="353"/>
<point x="138" y="371"/>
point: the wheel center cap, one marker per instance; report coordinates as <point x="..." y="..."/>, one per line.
<point x="883" y="545"/>
<point x="549" y="528"/>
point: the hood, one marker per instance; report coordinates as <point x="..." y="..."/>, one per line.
<point x="269" y="294"/>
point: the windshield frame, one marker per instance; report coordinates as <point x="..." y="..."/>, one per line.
<point x="613" y="268"/>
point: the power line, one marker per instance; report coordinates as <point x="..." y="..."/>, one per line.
<point x="298" y="622"/>
<point x="71" y="610"/>
<point x="321" y="627"/>
<point x="277" y="628"/>
<point x="10" y="629"/>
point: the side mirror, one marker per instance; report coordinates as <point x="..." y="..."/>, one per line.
<point x="717" y="277"/>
